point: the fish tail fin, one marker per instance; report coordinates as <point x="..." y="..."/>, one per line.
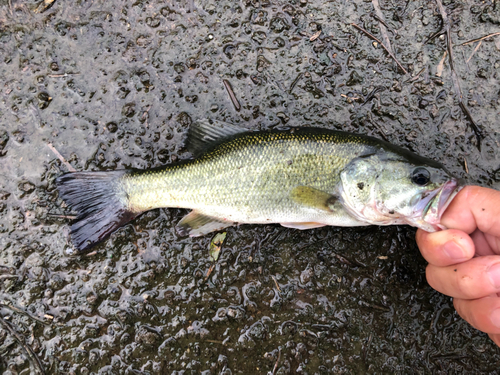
<point x="100" y="202"/>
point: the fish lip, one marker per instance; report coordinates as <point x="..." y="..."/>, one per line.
<point x="428" y="210"/>
<point x="439" y="201"/>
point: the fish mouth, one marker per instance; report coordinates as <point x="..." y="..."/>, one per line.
<point x="431" y="206"/>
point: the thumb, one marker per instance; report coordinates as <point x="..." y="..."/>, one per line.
<point x="473" y="208"/>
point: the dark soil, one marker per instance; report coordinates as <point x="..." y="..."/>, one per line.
<point x="113" y="86"/>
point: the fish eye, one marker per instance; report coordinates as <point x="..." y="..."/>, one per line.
<point x="420" y="176"/>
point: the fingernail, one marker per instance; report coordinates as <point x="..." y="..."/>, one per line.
<point x="495" y="317"/>
<point x="494" y="273"/>
<point x="454" y="251"/>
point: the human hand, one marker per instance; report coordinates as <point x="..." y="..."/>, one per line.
<point x="464" y="261"/>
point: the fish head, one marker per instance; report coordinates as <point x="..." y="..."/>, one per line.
<point x="389" y="189"/>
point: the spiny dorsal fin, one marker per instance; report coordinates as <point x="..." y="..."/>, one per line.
<point x="313" y="198"/>
<point x="205" y="133"/>
<point x="195" y="224"/>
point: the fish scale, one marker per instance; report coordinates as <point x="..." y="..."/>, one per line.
<point x="251" y="172"/>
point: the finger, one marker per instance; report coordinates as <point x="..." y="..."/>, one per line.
<point x="474" y="207"/>
<point x="475" y="278"/>
<point x="483" y="314"/>
<point x="486" y="244"/>
<point x="445" y="247"/>
<point x="495" y="338"/>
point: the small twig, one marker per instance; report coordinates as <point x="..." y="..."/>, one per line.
<point x="350" y="97"/>
<point x="44" y="5"/>
<point x="473" y="124"/>
<point x="339" y="257"/>
<point x="474" y="51"/>
<point x="382" y="44"/>
<point x="8" y="277"/>
<point x="62" y="75"/>
<point x="446" y="30"/>
<point x="315" y="243"/>
<point x="305" y="332"/>
<point x="356" y="263"/>
<point x="29" y="352"/>
<point x="215" y="342"/>
<point x="209" y="272"/>
<point x="277" y="285"/>
<point x="374" y="306"/>
<point x="456" y="83"/>
<point x="230" y="91"/>
<point x="277" y="361"/>
<point x="383" y="29"/>
<point x="479" y="39"/>
<point x="400" y="16"/>
<point x="322" y="326"/>
<point x="383" y="23"/>
<point x="440" y="67"/>
<point x="315" y="36"/>
<point x="435" y="35"/>
<point x="413" y="79"/>
<point x="145" y="115"/>
<point x="371" y="95"/>
<point x="68" y="217"/>
<point x="381" y="131"/>
<point x="365" y="350"/>
<point x="10" y="306"/>
<point x="61" y="158"/>
<point x="466" y="63"/>
<point x="295" y="81"/>
<point x="465" y="165"/>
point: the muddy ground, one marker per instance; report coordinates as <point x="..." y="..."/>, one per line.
<point x="112" y="85"/>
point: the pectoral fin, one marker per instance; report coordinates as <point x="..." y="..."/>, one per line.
<point x="313" y="198"/>
<point x="195" y="224"/>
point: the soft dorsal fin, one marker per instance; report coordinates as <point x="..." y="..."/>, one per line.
<point x="204" y="133"/>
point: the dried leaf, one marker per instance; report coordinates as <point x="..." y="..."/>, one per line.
<point x="44" y="5"/>
<point x="440" y="66"/>
<point x="216" y="246"/>
<point x="315" y="36"/>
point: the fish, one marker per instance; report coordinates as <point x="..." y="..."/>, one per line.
<point x="301" y="178"/>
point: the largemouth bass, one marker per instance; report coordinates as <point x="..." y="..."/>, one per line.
<point x="300" y="178"/>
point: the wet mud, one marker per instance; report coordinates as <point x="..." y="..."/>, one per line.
<point x="104" y="85"/>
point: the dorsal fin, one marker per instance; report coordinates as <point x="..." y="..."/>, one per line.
<point x="205" y="133"/>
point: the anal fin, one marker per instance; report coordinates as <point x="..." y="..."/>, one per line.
<point x="195" y="224"/>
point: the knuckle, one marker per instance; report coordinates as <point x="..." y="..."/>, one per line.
<point x="466" y="286"/>
<point x="465" y="312"/>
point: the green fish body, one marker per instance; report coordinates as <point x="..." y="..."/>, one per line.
<point x="301" y="178"/>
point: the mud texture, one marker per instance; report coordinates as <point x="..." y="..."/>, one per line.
<point x="111" y="85"/>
